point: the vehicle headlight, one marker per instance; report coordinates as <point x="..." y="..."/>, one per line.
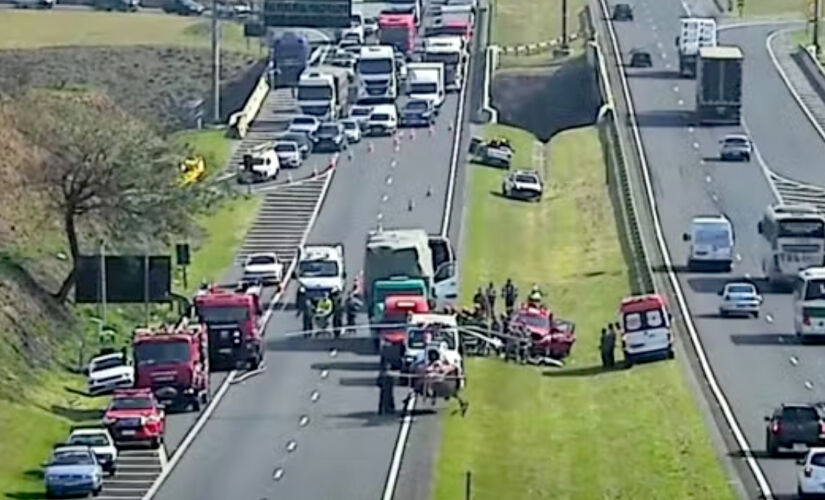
<point x="236" y="333"/>
<point x="143" y="420"/>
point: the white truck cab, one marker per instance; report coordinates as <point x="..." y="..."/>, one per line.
<point x="320" y="270"/>
<point x="711" y="240"/>
<point x="426" y="81"/>
<point x="427" y="329"/>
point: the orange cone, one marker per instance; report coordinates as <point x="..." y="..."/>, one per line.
<point x="370" y="147"/>
<point x="412" y="135"/>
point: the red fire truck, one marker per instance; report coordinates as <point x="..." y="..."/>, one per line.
<point x="233" y="320"/>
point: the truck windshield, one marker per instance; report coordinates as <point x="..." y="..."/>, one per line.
<point x="417" y="337"/>
<point x="815" y="290"/>
<point x="158" y="353"/>
<point x="223" y="314"/>
<point x="445" y="57"/>
<point x="423" y="88"/>
<point x="318" y="269"/>
<point x="801" y="229"/>
<point x="375" y="66"/>
<point x="314" y="93"/>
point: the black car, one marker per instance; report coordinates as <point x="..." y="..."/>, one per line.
<point x="119" y="5"/>
<point x="330" y="137"/>
<point x="183" y="7"/>
<point x="303" y="141"/>
<point x="792" y="424"/>
<point x="640" y="58"/>
<point x="418" y="113"/>
<point x="622" y="12"/>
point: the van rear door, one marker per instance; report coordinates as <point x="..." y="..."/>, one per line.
<point x="646" y="332"/>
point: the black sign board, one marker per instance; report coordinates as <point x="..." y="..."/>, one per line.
<point x="125" y="279"/>
<point x="307" y="13"/>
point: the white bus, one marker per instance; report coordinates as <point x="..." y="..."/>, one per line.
<point x="809" y="303"/>
<point x="793" y="239"/>
<point x="377" y="81"/>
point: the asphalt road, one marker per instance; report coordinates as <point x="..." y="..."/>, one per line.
<point x="758" y="362"/>
<point x="344" y="450"/>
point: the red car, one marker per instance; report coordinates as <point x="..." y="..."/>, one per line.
<point x="548" y="336"/>
<point x="134" y="415"/>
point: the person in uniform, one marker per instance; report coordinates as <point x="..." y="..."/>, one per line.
<point x="490" y="297"/>
<point x="509" y="293"/>
<point x="307" y="314"/>
<point x="386" y="398"/>
<point x="608" y="346"/>
<point x="353" y="305"/>
<point x="337" y="313"/>
<point x="479" y="300"/>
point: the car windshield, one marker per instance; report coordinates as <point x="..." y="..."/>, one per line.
<point x="799" y="414"/>
<point x="417" y="337"/>
<point x="223" y="314"/>
<point x="303" y="121"/>
<point x="423" y="88"/>
<point x="286" y="148"/>
<point x="131" y="403"/>
<point x="533" y="321"/>
<point x="530" y="179"/>
<point x="417" y="106"/>
<point x="818" y="459"/>
<point x="73" y="458"/>
<point x="105" y="364"/>
<point x="743" y="289"/>
<point x="318" y="269"/>
<point x="89" y="440"/>
<point x="259" y="260"/>
<point x="329" y="130"/>
<point x="380" y="117"/>
<point x="349" y="125"/>
<point x="736" y="141"/>
<point x="151" y="353"/>
<point x="375" y="66"/>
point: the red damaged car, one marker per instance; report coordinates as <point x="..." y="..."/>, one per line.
<point x="549" y="336"/>
<point x="134" y="415"/>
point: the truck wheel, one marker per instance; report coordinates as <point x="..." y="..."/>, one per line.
<point x="195" y="403"/>
<point x="671" y="354"/>
<point x="155" y="443"/>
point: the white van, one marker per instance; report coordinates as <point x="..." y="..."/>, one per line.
<point x="711" y="243"/>
<point x="383" y="120"/>
<point x="809" y="303"/>
<point x="260" y="164"/>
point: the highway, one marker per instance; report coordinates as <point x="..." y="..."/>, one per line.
<point x="758" y="362"/>
<point x="256" y="445"/>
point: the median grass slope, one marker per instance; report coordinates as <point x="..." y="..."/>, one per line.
<point x="576" y="432"/>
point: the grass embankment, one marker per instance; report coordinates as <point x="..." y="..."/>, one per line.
<point x="575" y="432"/>
<point x="28" y="431"/>
<point x="772" y="8"/>
<point x="36" y="29"/>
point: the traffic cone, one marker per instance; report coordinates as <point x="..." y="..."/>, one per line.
<point x="410" y="205"/>
<point x="289" y="177"/>
<point x="450" y="127"/>
<point x="370" y="147"/>
<point x="429" y="191"/>
<point x="412" y="135"/>
<point x="393" y="163"/>
<point x="431" y="130"/>
<point x="349" y="155"/>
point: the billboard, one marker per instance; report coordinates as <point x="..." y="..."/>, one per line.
<point x="307" y="13"/>
<point x="126" y="279"/>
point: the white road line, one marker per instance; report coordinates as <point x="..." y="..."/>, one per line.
<point x="794" y="360"/>
<point x="216" y="399"/>
<point x="707" y="370"/>
<point x="398" y="453"/>
<point x="788" y="84"/>
<point x="164" y="459"/>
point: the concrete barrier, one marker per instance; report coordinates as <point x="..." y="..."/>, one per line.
<point x="239" y="122"/>
<point x="807" y="61"/>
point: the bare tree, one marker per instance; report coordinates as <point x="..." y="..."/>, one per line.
<point x="102" y="164"/>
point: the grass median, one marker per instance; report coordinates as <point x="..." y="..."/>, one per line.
<point x="575" y="432"/>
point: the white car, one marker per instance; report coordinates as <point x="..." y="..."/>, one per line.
<point x="811" y="478"/>
<point x="355" y="33"/>
<point x="101" y="443"/>
<point x="304" y="124"/>
<point x="740" y="298"/>
<point x="109" y="372"/>
<point x="361" y="114"/>
<point x="352" y="130"/>
<point x="383" y="120"/>
<point x="370" y="26"/>
<point x="265" y="267"/>
<point x="524" y="184"/>
<point x="289" y="154"/>
<point x="735" y="147"/>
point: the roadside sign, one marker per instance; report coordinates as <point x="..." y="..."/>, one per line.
<point x="307" y="13"/>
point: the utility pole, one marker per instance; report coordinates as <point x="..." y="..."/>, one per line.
<point x="103" y="291"/>
<point x="216" y="64"/>
<point x="817" y="16"/>
<point x="564" y="24"/>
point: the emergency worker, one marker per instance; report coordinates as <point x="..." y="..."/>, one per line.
<point x="337" y="312"/>
<point x="608" y="345"/>
<point x="386" y="398"/>
<point x="479" y="301"/>
<point x="353" y="305"/>
<point x="490" y="300"/>
<point x="306" y="308"/>
<point x="509" y="293"/>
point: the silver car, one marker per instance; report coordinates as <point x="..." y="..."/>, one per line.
<point x="735" y="147"/>
<point x="740" y="299"/>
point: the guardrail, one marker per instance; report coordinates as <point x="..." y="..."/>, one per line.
<point x="537" y="48"/>
<point x="490" y="65"/>
<point x="618" y="180"/>
<point x="812" y="69"/>
<point x="239" y="121"/>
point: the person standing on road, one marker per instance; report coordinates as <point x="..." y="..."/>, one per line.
<point x="490" y="296"/>
<point x="386" y="398"/>
<point x="307" y="314"/>
<point x="337" y="313"/>
<point x="509" y="292"/>
<point x="353" y="305"/>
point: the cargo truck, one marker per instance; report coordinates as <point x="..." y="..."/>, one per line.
<point x="719" y="86"/>
<point x="695" y="33"/>
<point x="233" y="322"/>
<point x="426" y="81"/>
<point x="450" y="51"/>
<point x="398" y="30"/>
<point x="290" y="57"/>
<point x="323" y="92"/>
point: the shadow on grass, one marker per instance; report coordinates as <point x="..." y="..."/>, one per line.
<point x="585" y="371"/>
<point x="77" y="414"/>
<point x="34" y="474"/>
<point x="26" y="495"/>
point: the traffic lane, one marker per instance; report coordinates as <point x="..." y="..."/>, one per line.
<point x="348" y="213"/>
<point x="755" y="375"/>
<point x="786" y="138"/>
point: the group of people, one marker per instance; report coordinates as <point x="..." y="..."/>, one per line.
<point x="607" y="344"/>
<point x="317" y="313"/>
<point x="484" y="300"/>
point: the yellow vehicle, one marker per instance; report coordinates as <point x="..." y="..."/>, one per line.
<point x="193" y="169"/>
